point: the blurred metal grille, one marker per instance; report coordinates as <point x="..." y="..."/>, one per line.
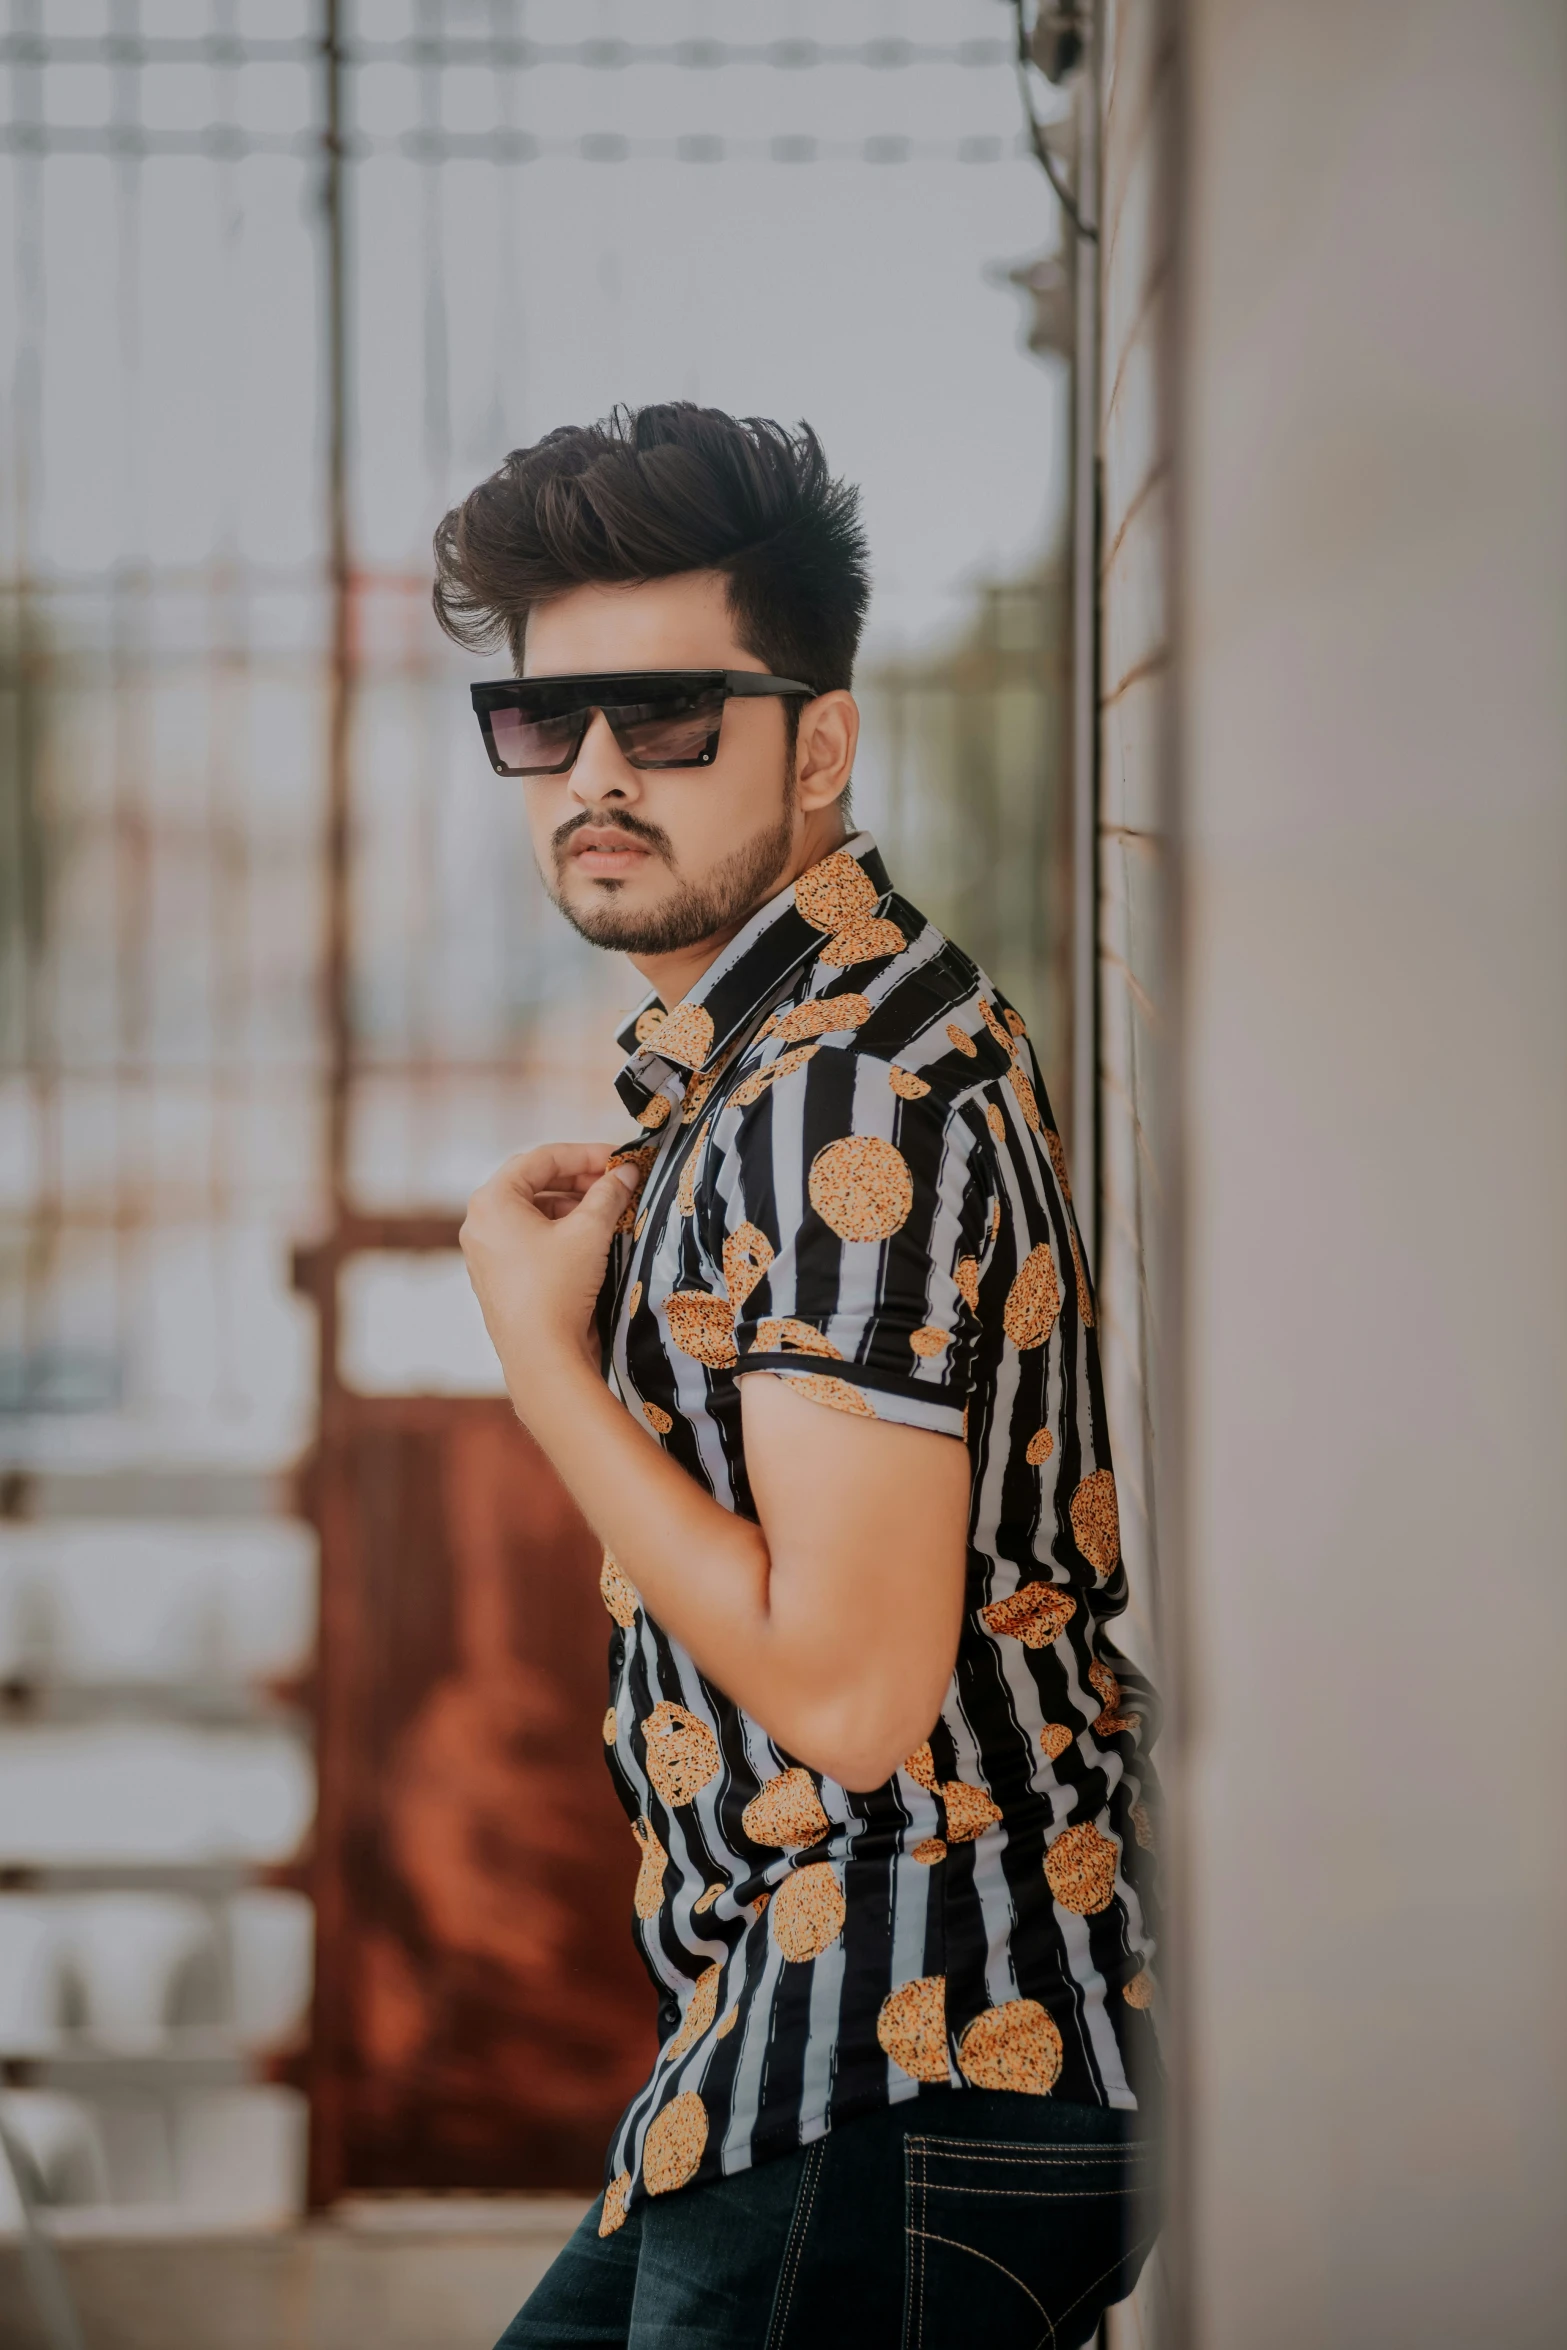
<point x="269" y="940"/>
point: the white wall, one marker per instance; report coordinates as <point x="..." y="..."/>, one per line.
<point x="1374" y="476"/>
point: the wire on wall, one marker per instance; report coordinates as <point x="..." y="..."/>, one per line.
<point x="1055" y="45"/>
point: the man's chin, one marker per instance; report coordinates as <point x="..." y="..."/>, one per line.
<point x="626" y="916"/>
<point x="665" y="914"/>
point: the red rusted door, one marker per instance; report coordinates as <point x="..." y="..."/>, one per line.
<point x="480" y="2014"/>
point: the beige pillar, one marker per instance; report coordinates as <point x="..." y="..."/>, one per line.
<point x="1372" y="619"/>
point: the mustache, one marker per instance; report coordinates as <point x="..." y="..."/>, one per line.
<point x="620" y="820"/>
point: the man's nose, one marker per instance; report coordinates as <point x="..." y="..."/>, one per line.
<point x="602" y="772"/>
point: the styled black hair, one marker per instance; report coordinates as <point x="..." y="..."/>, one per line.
<point x="649" y="492"/>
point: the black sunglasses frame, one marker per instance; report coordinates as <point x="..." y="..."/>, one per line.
<point x="609" y="691"/>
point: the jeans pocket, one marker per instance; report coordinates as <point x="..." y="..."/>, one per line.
<point x="1021" y="2247"/>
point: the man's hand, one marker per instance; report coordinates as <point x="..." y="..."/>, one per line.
<point x="536" y="1240"/>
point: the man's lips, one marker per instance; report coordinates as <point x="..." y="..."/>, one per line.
<point x="607" y="854"/>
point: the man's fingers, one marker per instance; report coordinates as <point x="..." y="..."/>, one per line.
<point x="605" y="1203"/>
<point x="555" y="1166"/>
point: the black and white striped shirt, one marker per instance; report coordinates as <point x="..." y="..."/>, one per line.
<point x="853" y="1181"/>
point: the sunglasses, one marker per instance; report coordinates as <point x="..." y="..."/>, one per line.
<point x="658" y="717"/>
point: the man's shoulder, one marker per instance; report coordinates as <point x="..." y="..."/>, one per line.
<point x="925" y="1009"/>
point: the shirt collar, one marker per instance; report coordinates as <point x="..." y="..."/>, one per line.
<point x="846" y="886"/>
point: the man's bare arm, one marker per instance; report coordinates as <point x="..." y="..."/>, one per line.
<point x="834" y="1620"/>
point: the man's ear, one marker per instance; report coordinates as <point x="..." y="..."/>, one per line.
<point x="824" y="750"/>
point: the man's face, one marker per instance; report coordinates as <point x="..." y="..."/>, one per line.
<point x="653" y="860"/>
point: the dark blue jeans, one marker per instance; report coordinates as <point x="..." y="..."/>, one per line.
<point x="965" y="2216"/>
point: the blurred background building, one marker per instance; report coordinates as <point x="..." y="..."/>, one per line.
<point x="1214" y="696"/>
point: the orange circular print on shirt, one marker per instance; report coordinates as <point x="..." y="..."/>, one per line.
<point x="861" y="1187"/>
<point x="685" y="1189"/>
<point x="686" y="1036"/>
<point x="657" y="1111"/>
<point x="838" y="1395"/>
<point x="1080" y="1869"/>
<point x="1015" y="1023"/>
<point x="618" y="1595"/>
<point x="961" y="1042"/>
<point x="701" y="2009"/>
<point x="995" y="1121"/>
<point x="676" y="2139"/>
<point x="752" y="1088"/>
<point x="1014" y="2046"/>
<point x="1039" y="1448"/>
<point x="835" y="892"/>
<point x="697" y="1092"/>
<point x="783" y="1335"/>
<point x="807" y="1912"/>
<point x="613" y="2215"/>
<point x="648" y="1897"/>
<point x="966" y="1281"/>
<point x="929" y="1851"/>
<point x="1085" y="1303"/>
<point x="1026" y="1099"/>
<point x="921" y="1767"/>
<point x="912" y="2028"/>
<point x="929" y="1341"/>
<point x="1096" y="1521"/>
<point x="747" y="1254"/>
<point x="1033" y="1301"/>
<point x="970" y="1810"/>
<point x="1055" y="1738"/>
<point x="863" y="942"/>
<point x="987" y="1012"/>
<point x="682" y="1753"/>
<point x="657" y="1418"/>
<point x="1056" y="1154"/>
<point x="702" y="1326"/>
<point x="822" y="1015"/>
<point x="905" y="1083"/>
<point x="1037" y="1615"/>
<point x="1139" y="1992"/>
<point x="786" y="1813"/>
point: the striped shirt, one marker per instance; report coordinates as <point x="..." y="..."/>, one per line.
<point x="853" y="1181"/>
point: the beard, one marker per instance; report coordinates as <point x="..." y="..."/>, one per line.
<point x="694" y="911"/>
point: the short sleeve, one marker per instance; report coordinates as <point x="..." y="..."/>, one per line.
<point x="847" y="1224"/>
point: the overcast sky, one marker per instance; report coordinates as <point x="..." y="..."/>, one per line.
<point x="495" y="302"/>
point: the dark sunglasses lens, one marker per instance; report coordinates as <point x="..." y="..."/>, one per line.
<point x="532" y="746"/>
<point x="651" y="734"/>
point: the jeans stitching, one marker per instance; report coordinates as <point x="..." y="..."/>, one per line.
<point x="914" y="2247"/>
<point x="794" y="2250"/>
<point x="1092" y="2193"/>
<point x="1120" y="2262"/>
<point x="1007" y="2150"/>
<point x="975" y="2254"/>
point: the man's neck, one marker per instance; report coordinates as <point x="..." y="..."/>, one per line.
<point x="674" y="975"/>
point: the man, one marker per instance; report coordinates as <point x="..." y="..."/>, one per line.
<point x="815" y="1356"/>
